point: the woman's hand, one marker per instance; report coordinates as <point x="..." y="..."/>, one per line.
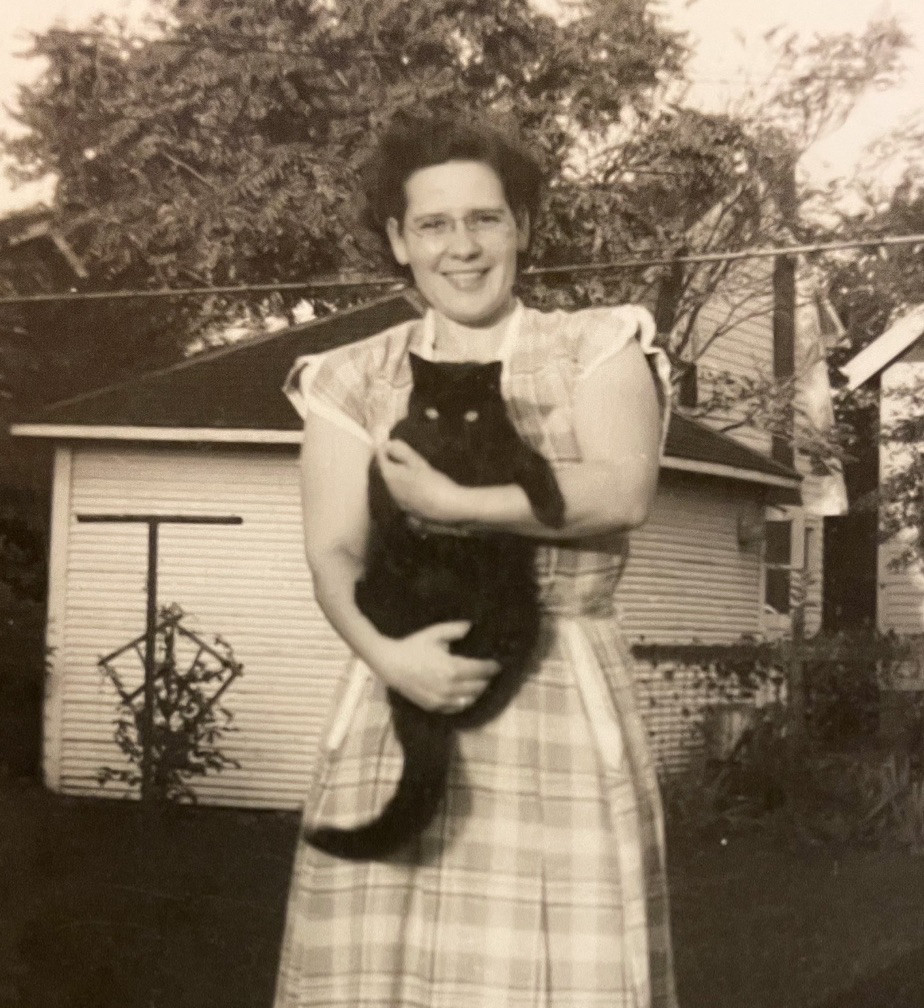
<point x="417" y="488"/>
<point x="421" y="668"/>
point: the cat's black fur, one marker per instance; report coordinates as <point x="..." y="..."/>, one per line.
<point x="458" y="422"/>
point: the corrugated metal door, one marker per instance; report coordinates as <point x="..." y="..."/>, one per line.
<point x="248" y="583"/>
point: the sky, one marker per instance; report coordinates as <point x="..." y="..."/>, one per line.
<point x="727" y="36"/>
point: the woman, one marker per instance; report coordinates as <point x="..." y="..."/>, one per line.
<point x="541" y="882"/>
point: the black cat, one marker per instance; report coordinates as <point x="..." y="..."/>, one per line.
<point x="458" y="422"/>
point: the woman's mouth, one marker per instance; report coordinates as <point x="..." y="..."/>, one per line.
<point x="464" y="280"/>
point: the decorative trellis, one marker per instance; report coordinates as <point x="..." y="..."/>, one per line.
<point x="177" y="737"/>
<point x="146" y="730"/>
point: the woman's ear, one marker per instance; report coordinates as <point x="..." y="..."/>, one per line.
<point x="397" y="242"/>
<point x="522" y="219"/>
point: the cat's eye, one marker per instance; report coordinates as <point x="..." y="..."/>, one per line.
<point x="471" y="416"/>
<point x="432" y="413"/>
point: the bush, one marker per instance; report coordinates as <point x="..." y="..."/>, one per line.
<point x="22" y="677"/>
<point x="840" y="782"/>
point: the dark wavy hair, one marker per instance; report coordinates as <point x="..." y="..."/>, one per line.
<point x="420" y="140"/>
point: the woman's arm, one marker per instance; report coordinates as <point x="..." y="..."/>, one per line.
<point x="618" y="428"/>
<point x="334" y="468"/>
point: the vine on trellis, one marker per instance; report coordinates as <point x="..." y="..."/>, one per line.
<point x="189" y="722"/>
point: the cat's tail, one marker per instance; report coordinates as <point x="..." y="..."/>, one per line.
<point x="409" y="810"/>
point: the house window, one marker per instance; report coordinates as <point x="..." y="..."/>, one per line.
<point x="778" y="565"/>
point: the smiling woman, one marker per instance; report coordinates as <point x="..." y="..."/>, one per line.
<point x="460" y="240"/>
<point x="540" y="882"/>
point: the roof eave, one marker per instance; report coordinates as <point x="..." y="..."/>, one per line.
<point x="224" y="435"/>
<point x="879" y="354"/>
<point x="188" y="435"/>
<point x="723" y="471"/>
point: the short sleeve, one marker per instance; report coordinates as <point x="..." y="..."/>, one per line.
<point x="332" y="385"/>
<point x="608" y="330"/>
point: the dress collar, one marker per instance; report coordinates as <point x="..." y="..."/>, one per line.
<point x="505" y="350"/>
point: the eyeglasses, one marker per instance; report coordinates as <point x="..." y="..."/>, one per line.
<point x="438" y="227"/>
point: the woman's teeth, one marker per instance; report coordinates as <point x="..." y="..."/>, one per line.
<point x="464" y="279"/>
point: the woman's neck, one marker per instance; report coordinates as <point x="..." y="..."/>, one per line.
<point x="456" y="341"/>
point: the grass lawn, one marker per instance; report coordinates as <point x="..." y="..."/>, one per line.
<point x="759" y="926"/>
<point x="102" y="907"/>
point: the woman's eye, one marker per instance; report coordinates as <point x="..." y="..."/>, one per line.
<point x="434" y="226"/>
<point x="471" y="416"/>
<point x="432" y="413"/>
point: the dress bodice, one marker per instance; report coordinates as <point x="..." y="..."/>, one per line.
<point x="365" y="386"/>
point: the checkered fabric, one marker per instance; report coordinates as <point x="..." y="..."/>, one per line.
<point x="541" y="883"/>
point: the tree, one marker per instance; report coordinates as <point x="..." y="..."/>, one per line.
<point x="871" y="289"/>
<point x="225" y="146"/>
<point x="228" y="146"/>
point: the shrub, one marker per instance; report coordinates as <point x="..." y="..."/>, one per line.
<point x="22" y="677"/>
<point x="837" y="782"/>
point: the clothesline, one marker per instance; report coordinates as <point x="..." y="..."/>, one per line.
<point x="355" y="283"/>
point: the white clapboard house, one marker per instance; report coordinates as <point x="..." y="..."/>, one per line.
<point x="895" y="360"/>
<point x="213" y="435"/>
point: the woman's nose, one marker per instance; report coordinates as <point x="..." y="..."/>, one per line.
<point x="463" y="241"/>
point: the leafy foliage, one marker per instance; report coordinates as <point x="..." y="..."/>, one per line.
<point x="227" y="146"/>
<point x="871" y="289"/>
<point x="188" y="723"/>
<point x="230" y="147"/>
<point x="845" y="782"/>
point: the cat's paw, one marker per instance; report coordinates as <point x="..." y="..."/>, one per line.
<point x="551" y="509"/>
<point x="544" y="495"/>
<point x="537" y="478"/>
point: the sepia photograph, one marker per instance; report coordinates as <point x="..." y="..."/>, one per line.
<point x="462" y="504"/>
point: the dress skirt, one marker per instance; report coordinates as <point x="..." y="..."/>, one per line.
<point x="541" y="882"/>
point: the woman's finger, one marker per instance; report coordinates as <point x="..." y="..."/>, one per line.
<point x="399" y="452"/>
<point x="474" y="670"/>
<point x="452" y="630"/>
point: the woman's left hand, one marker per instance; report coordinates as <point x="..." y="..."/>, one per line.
<point x="417" y="488"/>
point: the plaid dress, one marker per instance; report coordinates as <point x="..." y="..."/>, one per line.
<point x="541" y="882"/>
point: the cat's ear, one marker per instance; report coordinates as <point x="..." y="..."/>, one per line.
<point x="492" y="375"/>
<point x="420" y="369"/>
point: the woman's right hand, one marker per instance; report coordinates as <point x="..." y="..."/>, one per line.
<point x="422" y="668"/>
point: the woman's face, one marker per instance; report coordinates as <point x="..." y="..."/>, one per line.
<point x="460" y="240"/>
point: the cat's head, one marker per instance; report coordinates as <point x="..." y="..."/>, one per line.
<point x="455" y="393"/>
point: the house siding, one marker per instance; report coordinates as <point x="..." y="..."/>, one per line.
<point x="901" y="591"/>
<point x="687" y="577"/>
<point x="813" y="573"/>
<point x="688" y="580"/>
<point x="742" y="308"/>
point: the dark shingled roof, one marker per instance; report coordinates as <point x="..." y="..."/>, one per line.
<point x="696" y="442"/>
<point x="234" y="388"/>
<point x="238" y="388"/>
